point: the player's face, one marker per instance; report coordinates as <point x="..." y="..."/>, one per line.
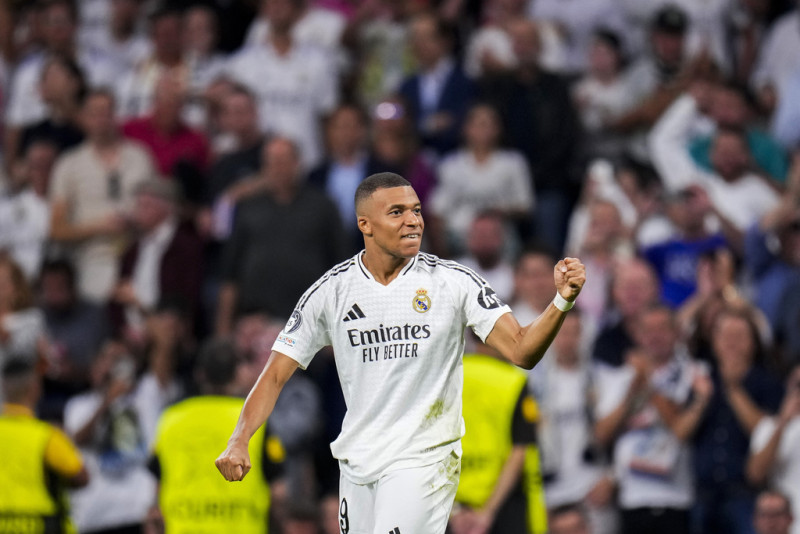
<point x="392" y="219"/>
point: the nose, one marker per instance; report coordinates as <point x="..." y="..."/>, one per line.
<point x="413" y="219"/>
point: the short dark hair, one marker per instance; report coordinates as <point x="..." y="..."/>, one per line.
<point x="381" y="180"/>
<point x="60" y="267"/>
<point x="217" y="361"/>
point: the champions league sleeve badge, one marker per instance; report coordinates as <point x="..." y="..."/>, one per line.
<point x="294" y="322"/>
<point x="421" y="302"/>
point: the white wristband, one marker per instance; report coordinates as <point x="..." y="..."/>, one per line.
<point x="561" y="303"/>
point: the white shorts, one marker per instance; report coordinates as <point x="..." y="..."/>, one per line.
<point x="407" y="501"/>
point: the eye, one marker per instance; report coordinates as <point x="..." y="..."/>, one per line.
<point x="394" y="212"/>
<point x="418" y="211"/>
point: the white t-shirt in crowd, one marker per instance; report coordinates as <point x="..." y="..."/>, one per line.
<point x="318" y="27"/>
<point x="653" y="468"/>
<point x="785" y="473"/>
<point x="742" y="201"/>
<point x="24" y="229"/>
<point x="778" y="60"/>
<point x="467" y="188"/>
<point x="398" y="350"/>
<point x="121" y="489"/>
<point x="294" y="91"/>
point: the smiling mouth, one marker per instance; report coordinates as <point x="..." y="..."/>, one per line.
<point x="411" y="236"/>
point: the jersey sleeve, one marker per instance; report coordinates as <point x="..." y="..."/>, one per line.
<point x="61" y="455"/>
<point x="306" y="331"/>
<point x="482" y="307"/>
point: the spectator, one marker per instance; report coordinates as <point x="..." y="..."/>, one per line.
<point x="601" y="96"/>
<point x="22" y="329"/>
<point x="577" y="22"/>
<point x="285" y="215"/>
<point x="439" y="94"/>
<point x="772" y="251"/>
<point x="24" y="213"/>
<point x="91" y="194"/>
<point x="773" y="460"/>
<point x="316" y="25"/>
<point x="180" y="152"/>
<point x="348" y="162"/>
<point x="634" y="288"/>
<point x="574" y="466"/>
<point x="395" y="144"/>
<point x="479" y="177"/>
<point x="540" y="121"/>
<point x="533" y="281"/>
<point x="732" y="106"/>
<point x="187" y="479"/>
<point x="487" y="252"/>
<point x="295" y="83"/>
<point x="657" y="78"/>
<point x="163" y="264"/>
<point x="651" y="407"/>
<point x="39" y="453"/>
<point x="490" y="49"/>
<point x="749" y="24"/>
<point x="744" y="392"/>
<point x="120" y="35"/>
<point x="113" y="424"/>
<point x="25" y="105"/>
<point x="205" y="64"/>
<point x="739" y="196"/>
<point x="76" y="330"/>
<point x="495" y="494"/>
<point x="62" y="90"/>
<point x="136" y="89"/>
<point x="675" y="260"/>
<point x="773" y="513"/>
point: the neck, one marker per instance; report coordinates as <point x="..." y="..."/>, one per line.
<point x="383" y="267"/>
<point x="567" y="361"/>
<point x="122" y="32"/>
<point x="169" y="59"/>
<point x="105" y="142"/>
<point x="348" y="156"/>
<point x="281" y="42"/>
<point x="481" y="153"/>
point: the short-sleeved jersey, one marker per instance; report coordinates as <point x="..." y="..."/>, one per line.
<point x="398" y="351"/>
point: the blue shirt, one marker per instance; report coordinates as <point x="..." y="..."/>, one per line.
<point x="675" y="263"/>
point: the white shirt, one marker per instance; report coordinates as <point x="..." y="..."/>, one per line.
<point x="500" y="277"/>
<point x="294" y="91"/>
<point x="147" y="271"/>
<point x="778" y="60"/>
<point x="25" y="105"/>
<point x="431" y="85"/>
<point x="115" y="499"/>
<point x="646" y="442"/>
<point x="467" y="187"/>
<point x="785" y="474"/>
<point x="742" y="201"/>
<point x="24" y="228"/>
<point x="399" y="351"/>
<point x="317" y="27"/>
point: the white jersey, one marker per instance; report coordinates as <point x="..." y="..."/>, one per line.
<point x="398" y="352"/>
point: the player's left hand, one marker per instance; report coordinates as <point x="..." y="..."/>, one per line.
<point x="570" y="275"/>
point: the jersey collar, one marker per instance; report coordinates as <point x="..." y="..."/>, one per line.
<point x="368" y="274"/>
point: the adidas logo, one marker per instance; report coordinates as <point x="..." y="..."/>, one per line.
<point x="354" y="313"/>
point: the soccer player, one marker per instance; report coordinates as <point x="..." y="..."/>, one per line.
<point x="396" y="318"/>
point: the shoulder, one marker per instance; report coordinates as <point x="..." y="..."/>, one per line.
<point x="335" y="276"/>
<point x="449" y="269"/>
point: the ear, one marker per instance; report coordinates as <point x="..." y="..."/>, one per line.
<point x="364" y="225"/>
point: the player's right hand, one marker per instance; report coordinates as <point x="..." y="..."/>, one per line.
<point x="234" y="462"/>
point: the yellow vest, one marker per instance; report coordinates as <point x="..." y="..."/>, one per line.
<point x="26" y="504"/>
<point x="194" y="497"/>
<point x="491" y="390"/>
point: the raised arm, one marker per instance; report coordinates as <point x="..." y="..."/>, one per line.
<point x="525" y="345"/>
<point x="234" y="462"/>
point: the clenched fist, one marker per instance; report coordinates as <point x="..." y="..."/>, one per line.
<point x="234" y="462"/>
<point x="570" y="275"/>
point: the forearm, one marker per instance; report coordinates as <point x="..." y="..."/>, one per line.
<point x="227" y="302"/>
<point x="745" y="410"/>
<point x="760" y="464"/>
<point x="509" y="476"/>
<point x="535" y="339"/>
<point x="261" y="400"/>
<point x="64" y="231"/>
<point x="687" y="420"/>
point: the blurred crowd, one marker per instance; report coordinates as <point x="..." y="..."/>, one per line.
<point x="176" y="173"/>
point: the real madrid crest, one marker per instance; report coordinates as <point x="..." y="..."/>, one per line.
<point x="421" y="302"/>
